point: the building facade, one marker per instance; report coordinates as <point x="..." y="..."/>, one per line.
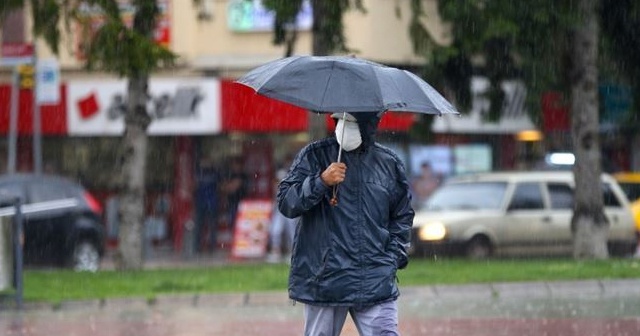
<point x="200" y="115"/>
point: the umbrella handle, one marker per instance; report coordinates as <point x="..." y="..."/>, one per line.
<point x="344" y="116"/>
<point x="334" y="198"/>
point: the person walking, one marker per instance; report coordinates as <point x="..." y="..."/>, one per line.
<point x="206" y="207"/>
<point x="354" y="229"/>
<point x="281" y="227"/>
<point x="234" y="188"/>
<point x="424" y="184"/>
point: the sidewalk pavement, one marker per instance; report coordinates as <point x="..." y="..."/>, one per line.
<point x="165" y="257"/>
<point x="590" y="307"/>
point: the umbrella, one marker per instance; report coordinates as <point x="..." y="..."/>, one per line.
<point x="344" y="84"/>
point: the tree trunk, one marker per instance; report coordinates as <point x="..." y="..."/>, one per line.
<point x="589" y="224"/>
<point x="130" y="247"/>
<point x="320" y="47"/>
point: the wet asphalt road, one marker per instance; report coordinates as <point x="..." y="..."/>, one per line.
<point x="584" y="308"/>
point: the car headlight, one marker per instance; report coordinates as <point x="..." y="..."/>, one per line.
<point x="432" y="231"/>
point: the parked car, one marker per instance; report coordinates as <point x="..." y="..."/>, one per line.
<point x="630" y="184"/>
<point x="513" y="213"/>
<point x="62" y="221"/>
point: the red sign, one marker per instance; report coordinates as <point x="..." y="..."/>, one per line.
<point x="17" y="50"/>
<point x="251" y="232"/>
<point x="16" y="53"/>
<point x="245" y="111"/>
<point x="182" y="198"/>
<point x="391" y="121"/>
<point x="555" y="112"/>
<point x="54" y="117"/>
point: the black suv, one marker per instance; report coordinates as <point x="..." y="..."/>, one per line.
<point x="62" y="221"/>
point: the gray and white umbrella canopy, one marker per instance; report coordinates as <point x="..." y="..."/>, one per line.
<point x="345" y="84"/>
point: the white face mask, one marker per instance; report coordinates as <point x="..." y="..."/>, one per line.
<point x="348" y="134"/>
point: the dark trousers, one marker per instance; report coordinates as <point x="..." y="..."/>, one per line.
<point x="206" y="228"/>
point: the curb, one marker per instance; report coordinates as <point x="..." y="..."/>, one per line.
<point x="517" y="290"/>
<point x="490" y="291"/>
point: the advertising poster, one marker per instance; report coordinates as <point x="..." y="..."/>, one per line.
<point x="251" y="233"/>
<point x="94" y="18"/>
<point x="439" y="157"/>
<point x="252" y="16"/>
<point x="472" y="158"/>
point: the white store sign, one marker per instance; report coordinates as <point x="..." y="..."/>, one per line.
<point x="48" y="81"/>
<point x="176" y="106"/>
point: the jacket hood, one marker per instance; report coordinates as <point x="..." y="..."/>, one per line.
<point x="368" y="125"/>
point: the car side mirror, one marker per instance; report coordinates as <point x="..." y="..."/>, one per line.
<point x="8" y="200"/>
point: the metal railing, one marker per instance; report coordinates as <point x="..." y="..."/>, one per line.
<point x="11" y="224"/>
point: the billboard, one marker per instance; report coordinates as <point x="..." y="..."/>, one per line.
<point x="176" y="107"/>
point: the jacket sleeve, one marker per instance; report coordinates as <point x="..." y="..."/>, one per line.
<point x="302" y="188"/>
<point x="401" y="219"/>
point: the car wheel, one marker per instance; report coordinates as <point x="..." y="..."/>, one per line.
<point x="478" y="248"/>
<point x="86" y="257"/>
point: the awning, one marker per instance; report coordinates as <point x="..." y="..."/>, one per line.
<point x="245" y="111"/>
<point x="185" y="106"/>
<point x="513" y="119"/>
<point x="53" y="117"/>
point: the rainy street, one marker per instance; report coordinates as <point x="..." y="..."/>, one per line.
<point x="185" y="167"/>
<point x="557" y="308"/>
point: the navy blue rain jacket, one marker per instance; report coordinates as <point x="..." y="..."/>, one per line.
<point x="347" y="255"/>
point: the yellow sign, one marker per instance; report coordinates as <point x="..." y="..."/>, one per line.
<point x="26" y="76"/>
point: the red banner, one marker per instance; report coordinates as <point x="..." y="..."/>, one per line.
<point x="54" y="117"/>
<point x="391" y="121"/>
<point x="245" y="111"/>
<point x="16" y="50"/>
<point x="182" y="198"/>
<point x="555" y="112"/>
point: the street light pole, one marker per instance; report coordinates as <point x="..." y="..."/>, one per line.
<point x="37" y="123"/>
<point x="13" y="123"/>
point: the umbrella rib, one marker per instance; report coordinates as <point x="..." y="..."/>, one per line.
<point x="326" y="86"/>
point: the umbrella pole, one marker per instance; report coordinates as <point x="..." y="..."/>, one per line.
<point x="334" y="199"/>
<point x="344" y="116"/>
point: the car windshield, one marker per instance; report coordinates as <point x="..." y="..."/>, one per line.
<point x="467" y="196"/>
<point x="632" y="190"/>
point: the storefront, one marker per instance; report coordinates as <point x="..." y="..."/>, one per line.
<point x="194" y="119"/>
<point x="490" y="144"/>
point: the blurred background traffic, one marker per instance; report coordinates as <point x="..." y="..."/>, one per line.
<point x="214" y="148"/>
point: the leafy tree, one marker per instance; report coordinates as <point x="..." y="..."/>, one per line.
<point x="551" y="45"/>
<point x="328" y="28"/>
<point x="328" y="34"/>
<point x="129" y="52"/>
<point x="621" y="51"/>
